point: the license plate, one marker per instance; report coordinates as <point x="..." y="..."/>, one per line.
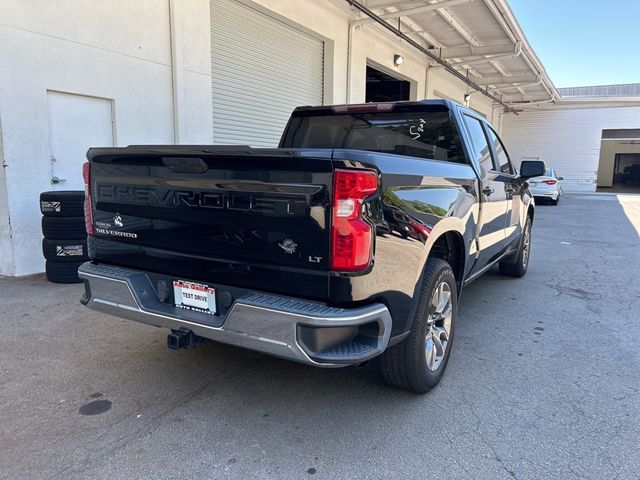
<point x="194" y="296"/>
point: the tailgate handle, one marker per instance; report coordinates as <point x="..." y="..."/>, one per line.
<point x="185" y="164"/>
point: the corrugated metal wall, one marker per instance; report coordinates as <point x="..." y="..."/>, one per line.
<point x="566" y="139"/>
<point x="626" y="90"/>
<point x="261" y="70"/>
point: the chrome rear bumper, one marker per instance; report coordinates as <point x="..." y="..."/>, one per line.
<point x="299" y="330"/>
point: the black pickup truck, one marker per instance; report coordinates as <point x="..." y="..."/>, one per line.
<point x="352" y="241"/>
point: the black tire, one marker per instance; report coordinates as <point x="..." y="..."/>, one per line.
<point x="405" y="365"/>
<point x="63" y="228"/>
<point x="62" y="272"/>
<point x="65" y="250"/>
<point x="518" y="268"/>
<point x="69" y="203"/>
<point x="554" y="202"/>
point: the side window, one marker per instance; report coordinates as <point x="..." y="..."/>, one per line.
<point x="504" y="164"/>
<point x="480" y="148"/>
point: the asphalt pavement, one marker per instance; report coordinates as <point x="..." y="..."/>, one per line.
<point x="543" y="383"/>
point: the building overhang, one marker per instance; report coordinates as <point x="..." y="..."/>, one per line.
<point x="478" y="41"/>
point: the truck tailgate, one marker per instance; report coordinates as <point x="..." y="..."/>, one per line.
<point x="253" y="218"/>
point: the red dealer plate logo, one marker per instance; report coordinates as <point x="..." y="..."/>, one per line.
<point x="194" y="296"/>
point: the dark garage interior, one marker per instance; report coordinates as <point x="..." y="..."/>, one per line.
<point x="619" y="167"/>
<point x="627" y="170"/>
<point x="382" y="87"/>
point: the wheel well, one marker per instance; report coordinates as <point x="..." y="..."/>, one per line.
<point x="450" y="248"/>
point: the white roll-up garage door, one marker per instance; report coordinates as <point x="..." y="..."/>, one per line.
<point x="261" y="70"/>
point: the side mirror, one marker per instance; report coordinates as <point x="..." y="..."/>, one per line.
<point x="560" y="178"/>
<point x="532" y="168"/>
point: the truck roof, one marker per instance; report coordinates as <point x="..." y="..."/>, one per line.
<point x="375" y="106"/>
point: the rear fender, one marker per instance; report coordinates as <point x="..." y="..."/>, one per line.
<point x="420" y="200"/>
<point x="447" y="225"/>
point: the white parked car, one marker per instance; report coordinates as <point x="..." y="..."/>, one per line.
<point x="548" y="186"/>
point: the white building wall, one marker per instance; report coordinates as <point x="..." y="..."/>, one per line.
<point x="119" y="50"/>
<point x="567" y="139"/>
<point x="195" y="29"/>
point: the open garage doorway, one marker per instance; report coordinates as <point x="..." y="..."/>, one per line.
<point x="619" y="167"/>
<point x="626" y="172"/>
<point x="382" y="87"/>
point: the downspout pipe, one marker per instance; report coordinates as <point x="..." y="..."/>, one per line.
<point x="352" y="27"/>
<point x="355" y="4"/>
<point x="535" y="102"/>
<point x="517" y="50"/>
<point x="521" y="85"/>
<point x="177" y="82"/>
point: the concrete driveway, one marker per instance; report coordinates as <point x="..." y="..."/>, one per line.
<point x="544" y="382"/>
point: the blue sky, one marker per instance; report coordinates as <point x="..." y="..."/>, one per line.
<point x="583" y="42"/>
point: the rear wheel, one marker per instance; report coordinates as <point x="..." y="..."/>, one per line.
<point x="521" y="264"/>
<point x="418" y="362"/>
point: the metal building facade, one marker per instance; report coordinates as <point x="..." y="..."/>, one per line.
<point x="567" y="139"/>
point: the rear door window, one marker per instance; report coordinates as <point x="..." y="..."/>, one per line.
<point x="481" y="151"/>
<point x="504" y="164"/>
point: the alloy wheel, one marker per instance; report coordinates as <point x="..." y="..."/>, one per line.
<point x="526" y="245"/>
<point x="438" y="325"/>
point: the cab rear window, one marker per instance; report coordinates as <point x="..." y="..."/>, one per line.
<point x="427" y="134"/>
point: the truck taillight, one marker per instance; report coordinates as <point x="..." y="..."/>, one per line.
<point x="549" y="182"/>
<point x="88" y="207"/>
<point x="351" y="235"/>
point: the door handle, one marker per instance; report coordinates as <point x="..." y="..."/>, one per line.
<point x="55" y="180"/>
<point x="488" y="191"/>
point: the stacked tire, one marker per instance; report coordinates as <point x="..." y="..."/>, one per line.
<point x="64" y="245"/>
